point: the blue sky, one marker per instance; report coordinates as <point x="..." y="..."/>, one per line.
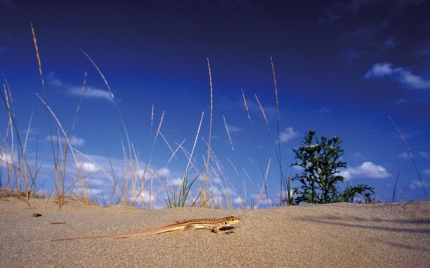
<point x="342" y="67"/>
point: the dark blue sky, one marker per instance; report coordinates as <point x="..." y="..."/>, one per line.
<point x="342" y="68"/>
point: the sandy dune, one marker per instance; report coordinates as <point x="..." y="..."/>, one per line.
<point x="337" y="235"/>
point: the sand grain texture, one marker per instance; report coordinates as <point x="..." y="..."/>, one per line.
<point x="336" y="235"/>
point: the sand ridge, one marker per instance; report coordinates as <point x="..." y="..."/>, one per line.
<point x="335" y="235"/>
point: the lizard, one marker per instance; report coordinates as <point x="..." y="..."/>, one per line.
<point x="215" y="225"/>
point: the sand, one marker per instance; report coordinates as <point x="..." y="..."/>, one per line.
<point x="335" y="235"/>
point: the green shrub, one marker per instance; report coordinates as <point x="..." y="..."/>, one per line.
<point x="320" y="176"/>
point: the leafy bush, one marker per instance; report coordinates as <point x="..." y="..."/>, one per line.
<point x="320" y="176"/>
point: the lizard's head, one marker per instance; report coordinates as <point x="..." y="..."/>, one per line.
<point x="230" y="220"/>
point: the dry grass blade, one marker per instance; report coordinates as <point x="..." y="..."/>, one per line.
<point x="264" y="188"/>
<point x="48" y="110"/>
<point x="167" y="143"/>
<point x="411" y="156"/>
<point x="60" y="126"/>
<point x="228" y="134"/>
<point x="279" y="154"/>
<point x="19" y="166"/>
<point x="232" y="148"/>
<point x="80" y="100"/>
<point x="220" y="172"/>
<point x="174" y="152"/>
<point x="114" y="100"/>
<point x="206" y="180"/>
<point x="255" y="142"/>
<point x="179" y="197"/>
<point x="150" y="132"/>
<point x="158" y="130"/>
<point x="111" y="178"/>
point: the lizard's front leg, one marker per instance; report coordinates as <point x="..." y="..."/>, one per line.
<point x="216" y="229"/>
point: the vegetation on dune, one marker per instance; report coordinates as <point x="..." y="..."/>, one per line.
<point x="321" y="176"/>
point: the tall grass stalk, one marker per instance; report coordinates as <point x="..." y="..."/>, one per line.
<point x="411" y="156"/>
<point x="175" y="151"/>
<point x="60" y="170"/>
<point x="33" y="176"/>
<point x="263" y="188"/>
<point x="273" y="142"/>
<point x="219" y="172"/>
<point x="128" y="158"/>
<point x="179" y="197"/>
<point x="229" y="137"/>
<point x="235" y="157"/>
<point x="80" y="100"/>
<point x="395" y="186"/>
<point x="20" y="166"/>
<point x="279" y="154"/>
<point x="150" y="133"/>
<point x="5" y="157"/>
<point x="255" y="143"/>
<point x="158" y="129"/>
<point x="114" y="100"/>
<point x="110" y="177"/>
<point x="206" y="180"/>
<point x="45" y="100"/>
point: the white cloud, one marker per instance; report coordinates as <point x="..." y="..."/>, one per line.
<point x="366" y="170"/>
<point x="219" y="196"/>
<point x="76" y="141"/>
<point x="89" y="92"/>
<point x="141" y="172"/>
<point x="379" y="70"/>
<point x="238" y="200"/>
<point x="214" y="191"/>
<point x="418" y="184"/>
<point x="215" y="180"/>
<point x="427" y="171"/>
<point x="175" y="182"/>
<point x="401" y="75"/>
<point x="163" y="172"/>
<point x="6" y="157"/>
<point x="55" y="82"/>
<point x="88" y="167"/>
<point x="413" y="81"/>
<point x="287" y="135"/>
<point x="233" y="129"/>
<point x="403" y="155"/>
<point x="297" y="168"/>
<point x="262" y="200"/>
<point x="424" y="154"/>
<point x="254" y="107"/>
<point x="73" y="140"/>
<point x="358" y="156"/>
<point x="147" y="197"/>
<point x="229" y="191"/>
<point x="98" y="182"/>
<point x="85" y="191"/>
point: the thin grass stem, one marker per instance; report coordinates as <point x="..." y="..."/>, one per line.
<point x="411" y="156"/>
